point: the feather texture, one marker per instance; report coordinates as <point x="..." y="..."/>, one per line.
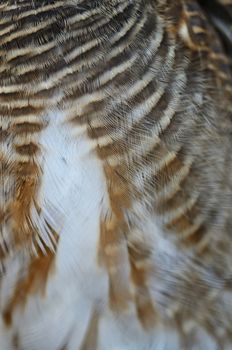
<point x="115" y="186"/>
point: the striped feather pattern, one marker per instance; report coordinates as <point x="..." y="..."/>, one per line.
<point x="148" y="84"/>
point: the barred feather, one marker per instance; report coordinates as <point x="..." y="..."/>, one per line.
<point x="115" y="196"/>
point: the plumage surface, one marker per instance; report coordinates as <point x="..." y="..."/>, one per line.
<point x="115" y="187"/>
